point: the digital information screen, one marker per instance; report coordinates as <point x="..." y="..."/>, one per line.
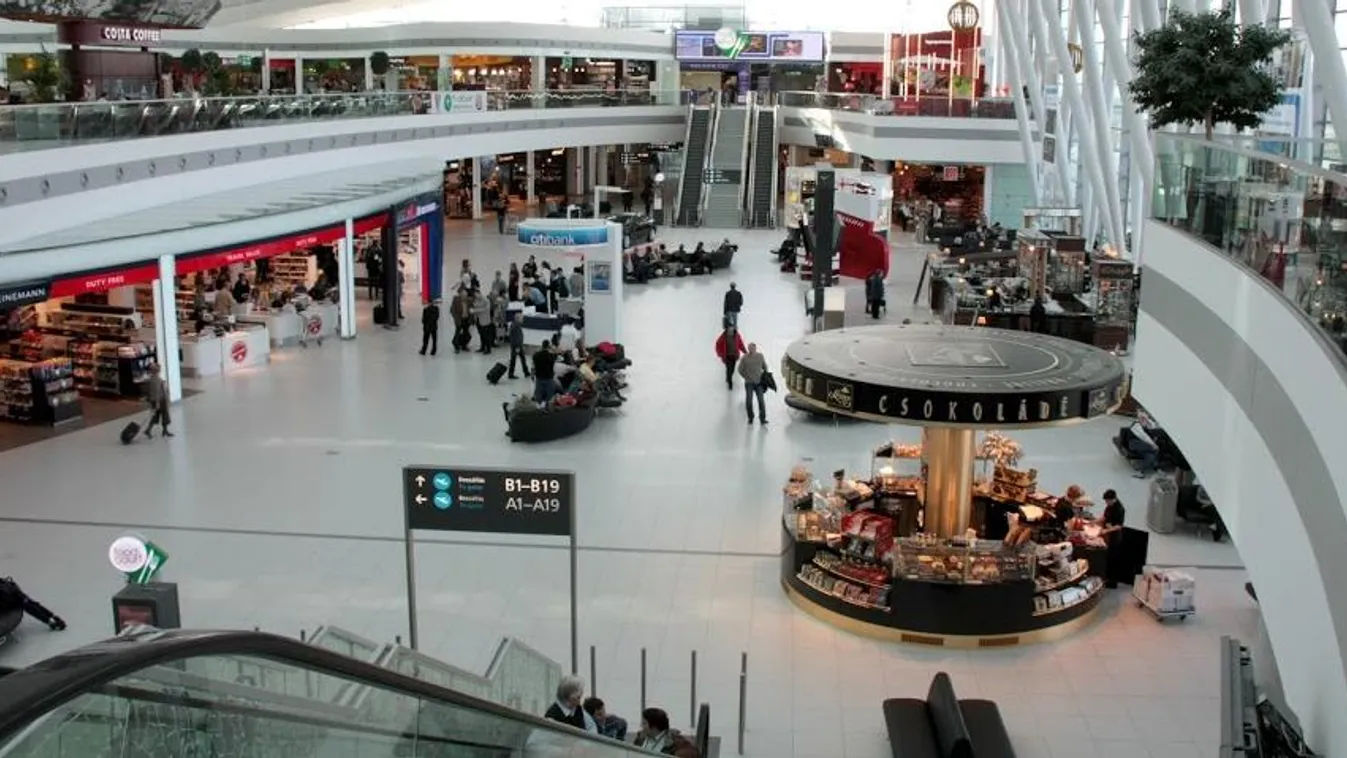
<point x="780" y="47"/>
<point x="443" y="499"/>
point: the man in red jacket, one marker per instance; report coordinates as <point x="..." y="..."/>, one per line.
<point x="729" y="346"/>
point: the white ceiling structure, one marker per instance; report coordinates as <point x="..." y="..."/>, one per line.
<point x="250" y="203"/>
<point x="842" y="15"/>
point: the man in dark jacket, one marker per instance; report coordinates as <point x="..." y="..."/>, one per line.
<point x="874" y="293"/>
<point x="430" y="327"/>
<point x="734" y="302"/>
<point x="517" y="346"/>
<point x="567" y="707"/>
<point x="460" y="310"/>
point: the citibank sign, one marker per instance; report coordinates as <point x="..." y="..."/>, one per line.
<point x="553" y="236"/>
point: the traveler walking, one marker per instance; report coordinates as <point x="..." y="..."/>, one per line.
<point x="156" y="394"/>
<point x="874" y="293"/>
<point x="517" y="346"/>
<point x="729" y="346"/>
<point x="460" y="310"/>
<point x="430" y="327"/>
<point x="753" y="369"/>
<point x="734" y="302"/>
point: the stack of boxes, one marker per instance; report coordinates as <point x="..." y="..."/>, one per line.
<point x="1166" y="590"/>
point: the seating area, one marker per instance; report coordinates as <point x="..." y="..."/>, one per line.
<point x="943" y="726"/>
<point x="579" y="401"/>
<point x="653" y="260"/>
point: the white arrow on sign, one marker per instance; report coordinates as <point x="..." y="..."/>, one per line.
<point x="420" y="481"/>
<point x="420" y="499"/>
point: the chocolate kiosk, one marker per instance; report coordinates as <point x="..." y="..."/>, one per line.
<point x="946" y="543"/>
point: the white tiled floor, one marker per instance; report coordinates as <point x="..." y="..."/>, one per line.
<point x="279" y="504"/>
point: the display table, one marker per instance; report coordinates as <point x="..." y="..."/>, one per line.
<point x="201" y="355"/>
<point x="246" y="347"/>
<point x="283" y="326"/>
<point x="944" y="613"/>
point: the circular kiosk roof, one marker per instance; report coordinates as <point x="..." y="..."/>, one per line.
<point x="953" y="376"/>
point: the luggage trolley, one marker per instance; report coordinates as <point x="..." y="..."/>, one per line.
<point x="310" y="328"/>
<point x="512" y="222"/>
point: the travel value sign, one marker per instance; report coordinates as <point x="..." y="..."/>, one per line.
<point x="500" y="501"/>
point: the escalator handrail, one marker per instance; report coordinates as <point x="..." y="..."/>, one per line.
<point x="30" y="693"/>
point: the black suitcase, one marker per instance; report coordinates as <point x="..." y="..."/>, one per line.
<point x="380" y="315"/>
<point x="497" y="371"/>
<point x="129" y="433"/>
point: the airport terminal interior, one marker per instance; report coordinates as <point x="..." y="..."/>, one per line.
<point x="965" y="388"/>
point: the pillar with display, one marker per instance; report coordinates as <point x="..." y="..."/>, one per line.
<point x="947" y="542"/>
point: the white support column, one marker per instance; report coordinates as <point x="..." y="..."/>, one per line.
<point x="444" y="77"/>
<point x="885" y="87"/>
<point x="1089" y="153"/>
<point x="369" y="75"/>
<point x="530" y="186"/>
<point x="1147" y="14"/>
<point x="1133" y="124"/>
<point x="1251" y="12"/>
<point x="1027" y="146"/>
<point x="476" y="188"/>
<point x="266" y="72"/>
<point x="1328" y="67"/>
<point x="538" y="80"/>
<point x="1063" y="175"/>
<point x="299" y="75"/>
<point x="166" y="326"/>
<point x="1020" y="39"/>
<point x="1100" y="117"/>
<point x="346" y="282"/>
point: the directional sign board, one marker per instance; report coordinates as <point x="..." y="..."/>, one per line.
<point x="442" y="499"/>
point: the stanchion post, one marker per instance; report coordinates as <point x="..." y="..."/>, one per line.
<point x="743" y="697"/>
<point x="303" y="635"/>
<point x="593" y="673"/>
<point x="692" y="695"/>
<point x="642" y="679"/>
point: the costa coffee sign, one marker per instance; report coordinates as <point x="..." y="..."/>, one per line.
<point x="118" y="35"/>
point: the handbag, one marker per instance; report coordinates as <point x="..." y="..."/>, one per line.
<point x="768" y="381"/>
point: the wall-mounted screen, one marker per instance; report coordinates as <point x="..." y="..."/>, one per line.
<point x="783" y="47"/>
<point x="187" y="14"/>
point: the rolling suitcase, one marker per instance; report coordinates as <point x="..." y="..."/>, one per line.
<point x="129" y="433"/>
<point x="497" y="371"/>
<point x="380" y="315"/>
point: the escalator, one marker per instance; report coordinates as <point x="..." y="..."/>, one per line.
<point x="695" y="145"/>
<point x="762" y="198"/>
<point x="186" y="694"/>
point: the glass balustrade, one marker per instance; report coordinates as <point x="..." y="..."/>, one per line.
<point x="32" y="127"/>
<point x="1283" y="219"/>
<point x="931" y="106"/>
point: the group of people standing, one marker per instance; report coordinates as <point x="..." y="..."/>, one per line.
<point x="745" y="360"/>
<point x="470" y="307"/>
<point x="590" y="714"/>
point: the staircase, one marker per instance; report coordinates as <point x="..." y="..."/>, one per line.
<point x="694" y="166"/>
<point x="725" y="179"/>
<point x="762" y="177"/>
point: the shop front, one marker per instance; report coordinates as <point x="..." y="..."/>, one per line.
<point x="733" y="65"/>
<point x="492" y="72"/>
<point x="939" y="73"/>
<point x="87" y="340"/>
<point x="948" y="193"/>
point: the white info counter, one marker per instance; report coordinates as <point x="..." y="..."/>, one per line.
<point x="247" y="346"/>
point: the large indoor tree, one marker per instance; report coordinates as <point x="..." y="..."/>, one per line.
<point x="1203" y="68"/>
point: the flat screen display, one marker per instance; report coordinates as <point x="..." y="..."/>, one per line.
<point x="785" y="47"/>
<point x="189" y="14"/>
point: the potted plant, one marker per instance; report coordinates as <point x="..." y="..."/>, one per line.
<point x="44" y="77"/>
<point x="1203" y="68"/>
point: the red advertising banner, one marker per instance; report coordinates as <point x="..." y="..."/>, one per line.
<point x="271" y="248"/>
<point x="102" y="281"/>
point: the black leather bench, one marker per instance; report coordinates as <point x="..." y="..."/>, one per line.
<point x="943" y="726"/>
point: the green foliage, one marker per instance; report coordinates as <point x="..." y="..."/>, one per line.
<point x="212" y="62"/>
<point x="192" y="62"/>
<point x="1205" y="69"/>
<point x="379" y="63"/>
<point x="255" y="65"/>
<point x="45" y="78"/>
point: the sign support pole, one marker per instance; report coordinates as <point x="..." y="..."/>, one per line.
<point x="412" y="636"/>
<point x="575" y="626"/>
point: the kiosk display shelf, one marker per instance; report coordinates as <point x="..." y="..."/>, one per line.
<point x="903" y="556"/>
<point x="41" y="392"/>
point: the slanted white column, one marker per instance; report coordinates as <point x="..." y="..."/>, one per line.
<point x="166" y="326"/>
<point x="1099" y="118"/>
<point x="1328" y="67"/>
<point x="346" y="282"/>
<point x="1020" y="39"/>
<point x="1027" y="145"/>
<point x="1089" y="152"/>
<point x="1133" y="123"/>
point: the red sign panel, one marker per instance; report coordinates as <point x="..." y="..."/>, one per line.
<point x="272" y="248"/>
<point x="102" y="281"/>
<point x="238" y="352"/>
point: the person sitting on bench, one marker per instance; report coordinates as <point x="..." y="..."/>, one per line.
<point x="1141" y="449"/>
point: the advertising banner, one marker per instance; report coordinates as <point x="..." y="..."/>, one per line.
<point x="783" y="47"/>
<point x="536" y="233"/>
<point x="463" y="101"/>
